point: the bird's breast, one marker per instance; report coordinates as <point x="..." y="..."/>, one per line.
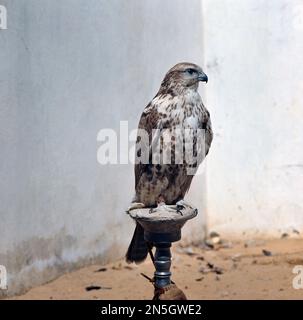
<point x="184" y="112"/>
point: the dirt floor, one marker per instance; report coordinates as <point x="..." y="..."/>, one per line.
<point x="254" y="269"/>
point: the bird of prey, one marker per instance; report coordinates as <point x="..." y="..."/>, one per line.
<point x="176" y="107"/>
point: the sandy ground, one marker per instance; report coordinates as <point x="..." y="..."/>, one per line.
<point x="235" y="270"/>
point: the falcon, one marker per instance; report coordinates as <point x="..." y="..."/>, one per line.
<point x="176" y="110"/>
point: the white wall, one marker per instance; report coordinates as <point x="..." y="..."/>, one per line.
<point x="68" y="69"/>
<point x="253" y="53"/>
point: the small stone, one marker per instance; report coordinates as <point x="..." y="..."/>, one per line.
<point x="205" y="270"/>
<point x="200" y="258"/>
<point x="209" y="243"/>
<point x="218" y="270"/>
<point x="117" y="267"/>
<point x="216" y="240"/>
<point x="215" y="237"/>
<point x="214" y="234"/>
<point x="90" y="288"/>
<point x="189" y="251"/>
<point x="128" y="267"/>
<point x="211" y="268"/>
<point x="200" y="279"/>
<point x="267" y="253"/>
<point x="213" y="240"/>
<point x="236" y="257"/>
<point x="93" y="287"/>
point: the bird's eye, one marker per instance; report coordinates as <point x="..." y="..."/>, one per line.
<point x="190" y="71"/>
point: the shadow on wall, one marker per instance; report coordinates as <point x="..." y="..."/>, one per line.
<point x="72" y="68"/>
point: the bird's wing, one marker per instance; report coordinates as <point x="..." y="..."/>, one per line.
<point x="206" y="125"/>
<point x="149" y="120"/>
<point x="208" y="134"/>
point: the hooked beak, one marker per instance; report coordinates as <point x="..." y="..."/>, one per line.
<point x="203" y="77"/>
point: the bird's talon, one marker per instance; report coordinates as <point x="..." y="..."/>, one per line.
<point x="134" y="206"/>
<point x="180" y="212"/>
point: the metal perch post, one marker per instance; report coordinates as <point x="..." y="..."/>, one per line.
<point x="161" y="227"/>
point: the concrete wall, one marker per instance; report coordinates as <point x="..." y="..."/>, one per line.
<point x="68" y="69"/>
<point x="253" y="56"/>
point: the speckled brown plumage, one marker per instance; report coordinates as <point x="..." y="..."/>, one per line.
<point x="176" y="107"/>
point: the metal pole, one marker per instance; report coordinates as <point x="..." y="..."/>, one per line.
<point x="162" y="242"/>
<point x="162" y="264"/>
<point x="161" y="228"/>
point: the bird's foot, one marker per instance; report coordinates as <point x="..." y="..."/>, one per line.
<point x="182" y="204"/>
<point x="163" y="207"/>
<point x="152" y="210"/>
<point x="169" y="208"/>
<point x="179" y="209"/>
<point x="135" y="205"/>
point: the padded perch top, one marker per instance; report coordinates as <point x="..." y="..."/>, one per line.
<point x="162" y="220"/>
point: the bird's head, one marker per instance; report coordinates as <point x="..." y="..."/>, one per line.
<point x="184" y="76"/>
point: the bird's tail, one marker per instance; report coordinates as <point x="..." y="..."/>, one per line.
<point x="138" y="247"/>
